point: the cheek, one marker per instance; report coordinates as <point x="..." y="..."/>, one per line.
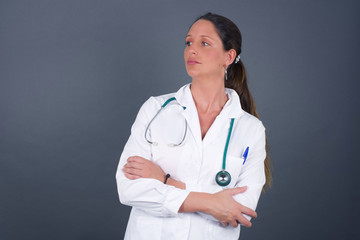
<point x="216" y="58"/>
<point x="186" y="54"/>
<point x="214" y="54"/>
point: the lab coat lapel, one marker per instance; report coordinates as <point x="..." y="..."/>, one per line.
<point x="221" y="125"/>
<point x="184" y="97"/>
<point x="232" y="109"/>
<point x="194" y="125"/>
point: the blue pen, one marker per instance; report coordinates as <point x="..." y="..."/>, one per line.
<point x="245" y="154"/>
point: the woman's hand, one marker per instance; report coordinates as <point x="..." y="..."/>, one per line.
<point x="138" y="167"/>
<point x="224" y="208"/>
<point x="220" y="205"/>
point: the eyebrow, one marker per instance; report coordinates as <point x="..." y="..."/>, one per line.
<point x="201" y="36"/>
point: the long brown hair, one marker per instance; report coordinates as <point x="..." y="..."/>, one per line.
<point x="236" y="74"/>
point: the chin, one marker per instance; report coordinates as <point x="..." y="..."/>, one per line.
<point x="192" y="73"/>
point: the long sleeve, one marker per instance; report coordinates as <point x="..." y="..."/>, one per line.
<point x="253" y="173"/>
<point x="150" y="195"/>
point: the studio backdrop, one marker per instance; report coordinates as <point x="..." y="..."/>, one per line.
<point x="73" y="75"/>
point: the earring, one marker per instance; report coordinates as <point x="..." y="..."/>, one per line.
<point x="237" y="59"/>
<point x="225" y="74"/>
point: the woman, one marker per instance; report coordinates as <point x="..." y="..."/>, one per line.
<point x="195" y="169"/>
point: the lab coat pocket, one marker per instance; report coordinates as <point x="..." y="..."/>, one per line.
<point x="234" y="166"/>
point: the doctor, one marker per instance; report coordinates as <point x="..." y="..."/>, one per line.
<point x="196" y="162"/>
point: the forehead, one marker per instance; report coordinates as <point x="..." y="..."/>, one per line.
<point x="203" y="27"/>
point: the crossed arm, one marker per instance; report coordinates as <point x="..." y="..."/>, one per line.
<point x="140" y="182"/>
<point x="220" y="205"/>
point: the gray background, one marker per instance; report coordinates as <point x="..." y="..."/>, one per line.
<point x="73" y="75"/>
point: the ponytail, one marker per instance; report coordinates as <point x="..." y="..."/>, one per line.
<point x="237" y="81"/>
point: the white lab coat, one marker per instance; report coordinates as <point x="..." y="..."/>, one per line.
<point x="195" y="162"/>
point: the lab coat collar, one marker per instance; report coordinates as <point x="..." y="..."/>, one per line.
<point x="231" y="109"/>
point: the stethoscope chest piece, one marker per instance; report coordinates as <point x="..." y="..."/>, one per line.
<point x="223" y="178"/>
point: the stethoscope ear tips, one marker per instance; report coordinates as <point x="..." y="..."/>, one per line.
<point x="169" y="145"/>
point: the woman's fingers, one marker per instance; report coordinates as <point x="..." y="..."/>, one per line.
<point x="229" y="211"/>
<point x="237" y="190"/>
<point x="248" y="211"/>
<point x="234" y="223"/>
<point x="225" y="224"/>
<point x="132" y="170"/>
<point x="134" y="165"/>
<point x="243" y="220"/>
<point x="237" y="219"/>
<point x="131" y="176"/>
<point x="137" y="159"/>
<point x="143" y="168"/>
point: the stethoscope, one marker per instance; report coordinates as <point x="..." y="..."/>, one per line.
<point x="148" y="126"/>
<point x="222" y="178"/>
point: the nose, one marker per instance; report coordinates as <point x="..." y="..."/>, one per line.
<point x="192" y="49"/>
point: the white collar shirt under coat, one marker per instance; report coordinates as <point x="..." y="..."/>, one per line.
<point x="195" y="162"/>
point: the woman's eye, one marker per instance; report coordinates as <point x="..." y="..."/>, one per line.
<point x="188" y="43"/>
<point x="205" y="44"/>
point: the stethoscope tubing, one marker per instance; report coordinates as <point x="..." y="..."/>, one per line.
<point x="227" y="144"/>
<point x="161" y="108"/>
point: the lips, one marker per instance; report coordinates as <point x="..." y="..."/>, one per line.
<point x="192" y="62"/>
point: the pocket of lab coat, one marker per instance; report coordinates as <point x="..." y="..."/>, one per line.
<point x="234" y="166"/>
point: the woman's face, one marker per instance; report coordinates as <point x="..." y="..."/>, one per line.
<point x="204" y="54"/>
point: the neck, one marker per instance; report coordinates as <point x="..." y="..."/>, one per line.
<point x="209" y="96"/>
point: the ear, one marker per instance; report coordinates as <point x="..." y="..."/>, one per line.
<point x="230" y="56"/>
